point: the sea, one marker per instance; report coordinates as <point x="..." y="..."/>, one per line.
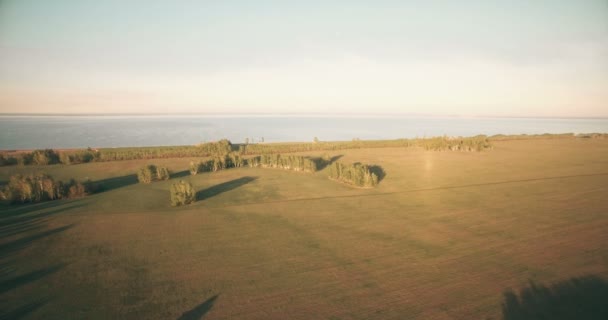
<point x="96" y="131"/>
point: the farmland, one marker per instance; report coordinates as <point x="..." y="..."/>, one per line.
<point x="444" y="235"/>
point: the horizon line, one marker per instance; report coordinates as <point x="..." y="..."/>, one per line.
<point x="287" y="114"/>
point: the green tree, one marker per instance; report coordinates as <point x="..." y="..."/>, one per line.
<point x="162" y="173"/>
<point x="146" y="174"/>
<point x="182" y="193"/>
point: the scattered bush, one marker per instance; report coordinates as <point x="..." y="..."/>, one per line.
<point x="182" y="193"/>
<point x="356" y="174"/>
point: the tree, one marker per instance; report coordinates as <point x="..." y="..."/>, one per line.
<point x="182" y="193"/>
<point x="194" y="167"/>
<point x="162" y="173"/>
<point x="146" y="174"/>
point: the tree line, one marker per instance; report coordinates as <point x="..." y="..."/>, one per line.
<point x="222" y="147"/>
<point x="236" y="160"/>
<point x="51" y="156"/>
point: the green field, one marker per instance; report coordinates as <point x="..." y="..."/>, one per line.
<point x="499" y="234"/>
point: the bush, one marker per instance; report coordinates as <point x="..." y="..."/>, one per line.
<point x="182" y="193"/>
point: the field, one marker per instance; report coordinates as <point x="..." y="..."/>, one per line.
<point x="501" y="234"/>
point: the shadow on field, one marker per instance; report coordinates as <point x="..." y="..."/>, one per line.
<point x="21" y="227"/>
<point x="19" y="209"/>
<point x="8" y="248"/>
<point x="22" y="311"/>
<point x="223" y="187"/>
<point x="199" y="311"/>
<point x="584" y="298"/>
<point x="180" y="174"/>
<point x="31" y="217"/>
<point x="17" y="281"/>
<point x="321" y="164"/>
<point x="378" y="171"/>
<point x="108" y="184"/>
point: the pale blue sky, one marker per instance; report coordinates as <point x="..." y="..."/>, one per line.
<point x="504" y="58"/>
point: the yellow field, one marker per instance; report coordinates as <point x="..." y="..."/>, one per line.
<point x="445" y="235"/>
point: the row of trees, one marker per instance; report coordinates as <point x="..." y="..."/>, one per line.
<point x="290" y="162"/>
<point x="357" y="174"/>
<point x="151" y="173"/>
<point x="218" y="162"/>
<point x="235" y="160"/>
<point x="42" y="187"/>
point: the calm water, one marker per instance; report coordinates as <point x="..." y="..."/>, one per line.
<point x="29" y="132"/>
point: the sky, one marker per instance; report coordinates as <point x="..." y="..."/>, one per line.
<point x="545" y="58"/>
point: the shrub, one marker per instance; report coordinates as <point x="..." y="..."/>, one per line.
<point x="182" y="193"/>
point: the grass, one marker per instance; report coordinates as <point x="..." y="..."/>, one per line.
<point x="445" y="235"/>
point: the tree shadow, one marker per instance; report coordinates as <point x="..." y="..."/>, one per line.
<point x="10" y="247"/>
<point x="15" y="282"/>
<point x="25" y="221"/>
<point x="322" y="163"/>
<point x="223" y="187"/>
<point x="584" y="298"/>
<point x="199" y="311"/>
<point x="9" y="210"/>
<point x="378" y="171"/>
<point x="180" y="174"/>
<point x="22" y="311"/>
<point x="108" y="184"/>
